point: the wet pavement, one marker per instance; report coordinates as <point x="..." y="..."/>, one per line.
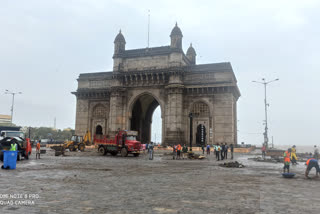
<point x="86" y="182"/>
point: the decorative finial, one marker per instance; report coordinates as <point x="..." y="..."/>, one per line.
<point x="191" y="44"/>
<point x="176" y="24"/>
<point x="120" y="31"/>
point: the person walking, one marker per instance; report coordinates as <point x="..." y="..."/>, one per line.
<point x="184" y="151"/>
<point x="150" y="151"/>
<point x="218" y="148"/>
<point x="222" y="151"/>
<point x="147" y="147"/>
<point x="226" y="151"/>
<point x="312" y="162"/>
<point x="208" y="149"/>
<point x="174" y="152"/>
<point x="286" y="156"/>
<point x="38" y="150"/>
<point x="179" y="151"/>
<point x="316" y="152"/>
<point x="202" y="146"/>
<point x="293" y="155"/>
<point x="263" y="150"/>
<point x="231" y="150"/>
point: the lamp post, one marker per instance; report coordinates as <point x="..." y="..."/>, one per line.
<point x="190" y="116"/>
<point x="13" y="94"/>
<point x="265" y="83"/>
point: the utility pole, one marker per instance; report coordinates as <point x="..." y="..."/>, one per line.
<point x="148" y="27"/>
<point x="265" y="83"/>
<point x="12" y="105"/>
<point x="190" y="116"/>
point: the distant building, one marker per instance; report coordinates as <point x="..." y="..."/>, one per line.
<point x="5" y="119"/>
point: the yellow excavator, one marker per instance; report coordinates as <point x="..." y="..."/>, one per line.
<point x="78" y="142"/>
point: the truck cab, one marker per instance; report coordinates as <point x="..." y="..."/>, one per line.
<point x="12" y="134"/>
<point x="127" y="142"/>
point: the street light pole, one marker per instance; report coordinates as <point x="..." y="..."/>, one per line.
<point x="265" y="83"/>
<point x="12" y="105"/>
<point x="190" y="116"/>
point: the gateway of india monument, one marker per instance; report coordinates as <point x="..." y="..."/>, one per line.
<point x="143" y="79"/>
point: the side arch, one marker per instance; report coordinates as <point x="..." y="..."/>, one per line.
<point x="199" y="100"/>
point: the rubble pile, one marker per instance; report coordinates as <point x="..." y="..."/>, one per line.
<point x="192" y="155"/>
<point x="268" y="160"/>
<point x="235" y="164"/>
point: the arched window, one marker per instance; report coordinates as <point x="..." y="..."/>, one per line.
<point x="99" y="111"/>
<point x="200" y="109"/>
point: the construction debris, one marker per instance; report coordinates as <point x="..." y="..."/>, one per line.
<point x="192" y="155"/>
<point x="235" y="164"/>
<point x="267" y="160"/>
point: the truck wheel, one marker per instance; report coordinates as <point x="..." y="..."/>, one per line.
<point x="102" y="150"/>
<point x="114" y="153"/>
<point x="71" y="148"/>
<point x="124" y="152"/>
<point x="81" y="147"/>
<point x="136" y="154"/>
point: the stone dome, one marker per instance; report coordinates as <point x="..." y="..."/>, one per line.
<point x="119" y="38"/>
<point x="191" y="50"/>
<point x="176" y="31"/>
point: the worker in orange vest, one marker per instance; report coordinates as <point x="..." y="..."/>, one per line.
<point x="179" y="151"/>
<point x="310" y="164"/>
<point x="38" y="150"/>
<point x="286" y="156"/>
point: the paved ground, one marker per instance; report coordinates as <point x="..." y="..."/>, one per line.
<point x="89" y="183"/>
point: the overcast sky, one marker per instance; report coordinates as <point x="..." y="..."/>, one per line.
<point x="45" y="45"/>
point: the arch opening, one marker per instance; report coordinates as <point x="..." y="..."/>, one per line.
<point x="201" y="135"/>
<point x="141" y="117"/>
<point x="156" y="127"/>
<point x="99" y="130"/>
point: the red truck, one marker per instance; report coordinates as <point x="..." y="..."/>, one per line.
<point x="124" y="142"/>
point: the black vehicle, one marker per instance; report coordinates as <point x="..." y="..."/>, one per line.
<point x="5" y="144"/>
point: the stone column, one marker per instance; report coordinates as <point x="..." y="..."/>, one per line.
<point x="224" y="118"/>
<point x="116" y="115"/>
<point x="82" y="117"/>
<point x="174" y="132"/>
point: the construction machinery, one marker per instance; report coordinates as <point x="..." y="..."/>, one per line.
<point x="76" y="143"/>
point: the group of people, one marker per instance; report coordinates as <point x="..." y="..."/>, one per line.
<point x="221" y="151"/>
<point x="178" y="149"/>
<point x="290" y="156"/>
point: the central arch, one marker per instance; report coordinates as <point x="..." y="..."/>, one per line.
<point x="141" y="116"/>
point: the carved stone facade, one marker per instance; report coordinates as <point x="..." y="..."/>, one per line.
<point x="143" y="79"/>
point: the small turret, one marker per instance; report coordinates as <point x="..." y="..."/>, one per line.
<point x="191" y="54"/>
<point x="119" y="43"/>
<point x="176" y="37"/>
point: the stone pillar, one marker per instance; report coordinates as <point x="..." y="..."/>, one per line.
<point x="116" y="115"/>
<point x="82" y="117"/>
<point x="224" y="118"/>
<point x="174" y="132"/>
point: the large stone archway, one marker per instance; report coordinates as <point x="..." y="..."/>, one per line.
<point x="143" y="79"/>
<point x="141" y="116"/>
